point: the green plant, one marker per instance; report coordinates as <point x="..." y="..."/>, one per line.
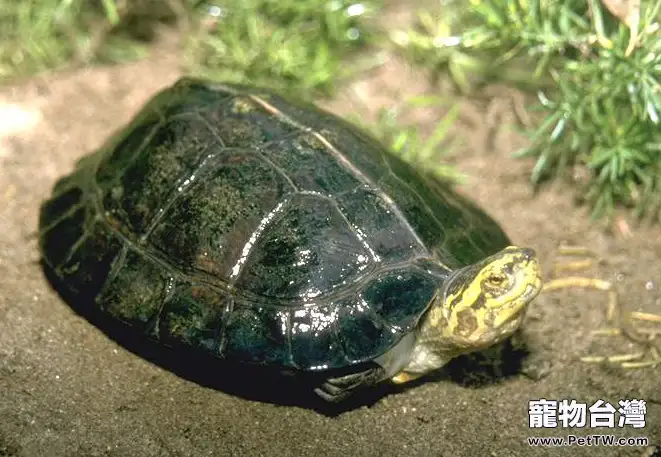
<point x="425" y="152"/>
<point x="40" y="35"/>
<point x="307" y="47"/>
<point x="598" y="81"/>
<point x="292" y="44"/>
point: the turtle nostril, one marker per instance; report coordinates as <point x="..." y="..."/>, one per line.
<point x="529" y="253"/>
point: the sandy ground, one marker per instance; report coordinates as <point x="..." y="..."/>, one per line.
<point x="68" y="390"/>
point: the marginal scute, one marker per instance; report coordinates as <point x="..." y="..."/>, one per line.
<point x="62" y="237"/>
<point x="314" y="342"/>
<point x="88" y="262"/>
<point x="193" y="316"/>
<point x="415" y="210"/>
<point x="67" y="195"/>
<point x="363" y="334"/>
<point x="400" y="296"/>
<point x="62" y="219"/>
<point x="471" y="234"/>
<point x="135" y="291"/>
<point x="257" y="335"/>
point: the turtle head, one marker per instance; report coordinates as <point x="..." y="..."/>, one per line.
<point x="484" y="303"/>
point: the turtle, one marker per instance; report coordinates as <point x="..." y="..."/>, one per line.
<point x="259" y="228"/>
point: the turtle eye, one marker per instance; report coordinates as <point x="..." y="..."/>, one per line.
<point x="496" y="280"/>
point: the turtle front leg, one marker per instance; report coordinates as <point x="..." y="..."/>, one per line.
<point x="619" y="322"/>
<point x="337" y="389"/>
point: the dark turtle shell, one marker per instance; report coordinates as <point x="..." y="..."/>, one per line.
<point x="259" y="229"/>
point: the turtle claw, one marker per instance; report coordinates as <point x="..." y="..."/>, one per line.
<point x="337" y="389"/>
<point x="625" y="321"/>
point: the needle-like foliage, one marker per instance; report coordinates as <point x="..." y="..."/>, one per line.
<point x="41" y="35"/>
<point x="289" y="44"/>
<point x="425" y="152"/>
<point x="598" y="79"/>
<point x="305" y="47"/>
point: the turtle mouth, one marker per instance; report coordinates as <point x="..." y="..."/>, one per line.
<point x="518" y="306"/>
<point x="531" y="291"/>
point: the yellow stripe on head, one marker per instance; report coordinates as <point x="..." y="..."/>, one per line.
<point x="484" y="303"/>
